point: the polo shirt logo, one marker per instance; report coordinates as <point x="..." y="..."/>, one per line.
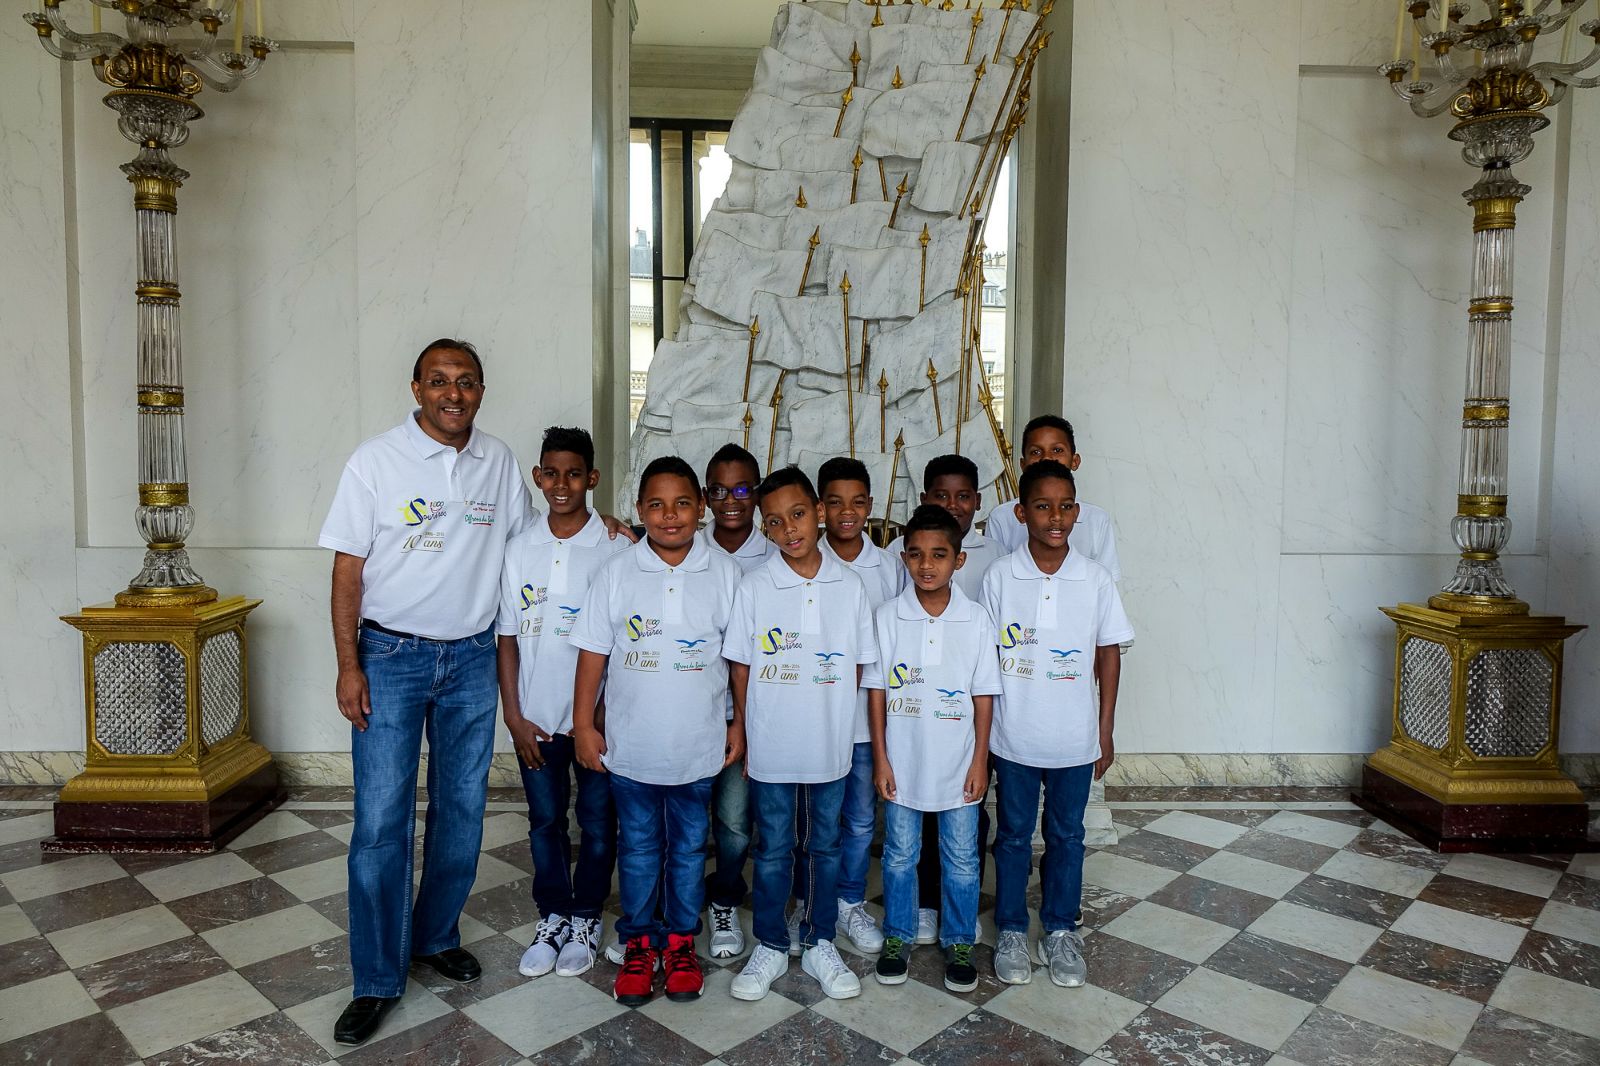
<point x="775" y="640"/>
<point x="533" y="597"/>
<point x="1064" y="665"/>
<point x="901" y="675"/>
<point x="417" y="511"/>
<point x="827" y="670"/>
<point x="423" y="542"/>
<point x="479" y="513"/>
<point x="1016" y="635"/>
<point x="638" y="627"/>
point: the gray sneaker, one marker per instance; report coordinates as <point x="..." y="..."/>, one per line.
<point x="1062" y="951"/>
<point x="1011" y="963"/>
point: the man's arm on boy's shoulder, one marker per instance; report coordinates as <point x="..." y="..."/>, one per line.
<point x="977" y="782"/>
<point x="1107" y="672"/>
<point x="587" y="741"/>
<point x="616" y="527"/>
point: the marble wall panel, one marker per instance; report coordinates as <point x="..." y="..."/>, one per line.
<point x="474" y="200"/>
<point x="1378" y="341"/>
<point x="1349" y="34"/>
<point x="1574" y="586"/>
<point x="39" y="699"/>
<point x="1180" y="218"/>
<point x="266" y="260"/>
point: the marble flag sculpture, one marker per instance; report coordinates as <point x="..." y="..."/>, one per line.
<point x="833" y="298"/>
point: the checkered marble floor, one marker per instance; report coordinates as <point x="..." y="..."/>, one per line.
<point x="1241" y="927"/>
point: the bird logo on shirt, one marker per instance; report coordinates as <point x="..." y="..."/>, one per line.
<point x="1063" y="656"/>
<point x="952" y="693"/>
<point x="691" y="643"/>
<point x="827" y="657"/>
<point x="568" y="613"/>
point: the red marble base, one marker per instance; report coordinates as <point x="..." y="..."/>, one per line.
<point x="182" y="828"/>
<point x="1479" y="827"/>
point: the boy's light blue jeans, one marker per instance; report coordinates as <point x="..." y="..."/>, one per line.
<point x="446" y="689"/>
<point x="958" y="856"/>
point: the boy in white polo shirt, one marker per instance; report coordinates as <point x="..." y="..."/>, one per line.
<point x="1059" y="622"/>
<point x="652" y="630"/>
<point x="951" y="481"/>
<point x="731" y="479"/>
<point x="930" y="739"/>
<point x="546" y="578"/>
<point x="800" y="633"/>
<point x="1051" y="437"/>
<point x="846" y="490"/>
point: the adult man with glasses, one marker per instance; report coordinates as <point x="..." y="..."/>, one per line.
<point x="419" y="526"/>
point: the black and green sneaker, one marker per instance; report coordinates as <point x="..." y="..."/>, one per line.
<point x="891" y="968"/>
<point x="959" y="973"/>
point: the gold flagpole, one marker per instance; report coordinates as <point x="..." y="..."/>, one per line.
<point x="922" y="274"/>
<point x="866" y="355"/>
<point x="1005" y="24"/>
<point x="933" y="384"/>
<point x="894" y="470"/>
<point x="855" y="173"/>
<point x="977" y="20"/>
<point x="972" y="94"/>
<point x="899" y="191"/>
<point x="849" y="389"/>
<point x="844" y="104"/>
<point x="749" y="358"/>
<point x="883" y="181"/>
<point x="772" y="434"/>
<point x="748" y="421"/>
<point x="883" y="409"/>
<point x="811" y="250"/>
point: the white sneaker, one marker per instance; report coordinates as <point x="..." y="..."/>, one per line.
<point x="727" y="939"/>
<point x="577" y="955"/>
<point x="927" y="925"/>
<point x="549" y="936"/>
<point x="616" y="951"/>
<point x="860" y="926"/>
<point x="794" y="930"/>
<point x="763" y="967"/>
<point x="838" y="981"/>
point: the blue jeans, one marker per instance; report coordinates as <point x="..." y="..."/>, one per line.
<point x="858" y="822"/>
<point x="652" y="821"/>
<point x="730" y="829"/>
<point x="958" y="879"/>
<point x="1066" y="794"/>
<point x="784" y="814"/>
<point x="559" y="887"/>
<point x="446" y="689"/>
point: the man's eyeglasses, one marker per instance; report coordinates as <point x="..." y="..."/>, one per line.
<point x="722" y="492"/>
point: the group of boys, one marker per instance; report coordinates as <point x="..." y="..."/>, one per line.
<point x="767" y="682"/>
<point x="762" y="683"/>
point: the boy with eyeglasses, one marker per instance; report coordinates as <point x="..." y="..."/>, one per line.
<point x="730" y="491"/>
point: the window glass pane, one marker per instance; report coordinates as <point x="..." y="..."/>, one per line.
<point x="992" y="320"/>
<point x="641" y="298"/>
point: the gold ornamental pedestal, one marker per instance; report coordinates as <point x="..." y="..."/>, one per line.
<point x="170" y="765"/>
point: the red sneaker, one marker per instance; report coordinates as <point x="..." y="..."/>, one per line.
<point x="684" y="980"/>
<point x="636" y="979"/>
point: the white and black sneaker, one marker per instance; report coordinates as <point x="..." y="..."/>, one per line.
<point x="577" y="955"/>
<point x="549" y="937"/>
<point x="727" y="939"/>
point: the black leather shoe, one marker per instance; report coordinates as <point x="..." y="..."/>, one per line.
<point x="455" y="963"/>
<point x="362" y="1018"/>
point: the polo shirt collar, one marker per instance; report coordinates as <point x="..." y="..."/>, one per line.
<point x="871" y="554"/>
<point x="587" y="537"/>
<point x="909" y="608"/>
<point x="974" y="539"/>
<point x="752" y="544"/>
<point x="784" y="577"/>
<point x="699" y="557"/>
<point x="1073" y="567"/>
<point x="426" y="447"/>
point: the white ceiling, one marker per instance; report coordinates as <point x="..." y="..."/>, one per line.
<point x="705" y="23"/>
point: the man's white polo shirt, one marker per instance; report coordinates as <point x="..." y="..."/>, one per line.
<point x="1092" y="534"/>
<point x="802" y="639"/>
<point x="1048" y="627"/>
<point x="880" y="576"/>
<point x="666" y="680"/>
<point x="755" y="550"/>
<point x="432" y="524"/>
<point x="929" y="669"/>
<point x="981" y="554"/>
<point x="542" y="589"/>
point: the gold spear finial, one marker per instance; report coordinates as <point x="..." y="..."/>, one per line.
<point x="1049" y="6"/>
<point x="922" y="275"/>
<point x="849" y="389"/>
<point x="883" y="404"/>
<point x="894" y="470"/>
<point x="844" y="104"/>
<point x="1005" y="23"/>
<point x="800" y="197"/>
<point x="972" y="37"/>
<point x="855" y="173"/>
<point x="855" y="62"/>
<point x="747" y="421"/>
<point x="877" y="17"/>
<point x="977" y="76"/>
<point x="750" y="356"/>
<point x="772" y="434"/>
<point x="897" y="82"/>
<point x="899" y="192"/>
<point x="933" y="383"/>
<point x="811" y="250"/>
<point x="948" y="5"/>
